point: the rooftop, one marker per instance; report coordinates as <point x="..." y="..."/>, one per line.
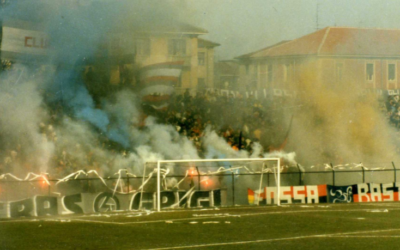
<point x="334" y="41"/>
<point x="166" y="25"/>
<point x="207" y="44"/>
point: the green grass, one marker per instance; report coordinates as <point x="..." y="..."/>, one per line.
<point x="347" y="226"/>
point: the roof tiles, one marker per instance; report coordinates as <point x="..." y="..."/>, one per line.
<point x="344" y="41"/>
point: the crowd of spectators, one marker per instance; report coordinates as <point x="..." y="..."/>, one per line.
<point x="393" y="110"/>
<point x="63" y="157"/>
<point x="240" y="120"/>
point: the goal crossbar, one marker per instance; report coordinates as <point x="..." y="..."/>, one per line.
<point x="278" y="160"/>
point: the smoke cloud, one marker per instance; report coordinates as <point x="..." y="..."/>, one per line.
<point x="22" y="112"/>
<point x="50" y="120"/>
<point x="338" y="125"/>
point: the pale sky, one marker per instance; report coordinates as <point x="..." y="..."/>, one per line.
<point x="243" y="26"/>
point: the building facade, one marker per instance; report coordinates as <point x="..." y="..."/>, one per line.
<point x="127" y="49"/>
<point x="173" y="42"/>
<point x="367" y="57"/>
<point x="205" y="64"/>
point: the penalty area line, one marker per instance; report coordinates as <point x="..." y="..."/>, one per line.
<point x="350" y="234"/>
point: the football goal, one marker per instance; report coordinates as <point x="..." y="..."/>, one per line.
<point x="212" y="182"/>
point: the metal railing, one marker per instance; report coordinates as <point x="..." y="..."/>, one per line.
<point x="234" y="184"/>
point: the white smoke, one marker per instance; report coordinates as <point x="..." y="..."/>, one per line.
<point x="22" y="111"/>
<point x="76" y="141"/>
<point x="217" y="147"/>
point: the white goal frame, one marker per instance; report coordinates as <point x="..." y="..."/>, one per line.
<point x="278" y="181"/>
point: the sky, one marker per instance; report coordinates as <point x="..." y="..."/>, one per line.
<point x="243" y="26"/>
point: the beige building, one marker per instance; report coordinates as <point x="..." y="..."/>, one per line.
<point x="205" y="63"/>
<point x="126" y="49"/>
<point x="138" y="47"/>
<point x="368" y="57"/>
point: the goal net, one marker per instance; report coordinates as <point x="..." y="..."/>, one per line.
<point x="213" y="182"/>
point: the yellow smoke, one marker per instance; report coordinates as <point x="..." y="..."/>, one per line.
<point x="336" y="124"/>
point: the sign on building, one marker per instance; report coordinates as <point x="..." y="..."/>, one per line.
<point x="19" y="44"/>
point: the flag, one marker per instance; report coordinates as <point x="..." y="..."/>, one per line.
<point x="250" y="196"/>
<point x="158" y="81"/>
<point x="161" y="72"/>
<point x="341" y="194"/>
<point x="288" y="195"/>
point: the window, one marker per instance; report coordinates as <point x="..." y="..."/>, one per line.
<point x="339" y="71"/>
<point x="286" y="72"/>
<point x="370" y="71"/>
<point x="202" y="58"/>
<point x="143" y="46"/>
<point x="254" y="76"/>
<point x="177" y="47"/>
<point x="263" y="74"/>
<point x="270" y="73"/>
<point x="391" y="72"/>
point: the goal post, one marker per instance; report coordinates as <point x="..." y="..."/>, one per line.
<point x="235" y="160"/>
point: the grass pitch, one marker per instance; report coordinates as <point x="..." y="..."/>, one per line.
<point x="328" y="226"/>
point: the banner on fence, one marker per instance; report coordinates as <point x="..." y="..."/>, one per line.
<point x="85" y="203"/>
<point x="289" y="195"/>
<point x="365" y="192"/>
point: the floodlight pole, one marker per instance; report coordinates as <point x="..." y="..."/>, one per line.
<point x="158" y="188"/>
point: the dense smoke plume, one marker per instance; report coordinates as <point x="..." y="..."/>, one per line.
<point x="22" y="112"/>
<point x="39" y="138"/>
<point x="337" y="124"/>
<point x="52" y="123"/>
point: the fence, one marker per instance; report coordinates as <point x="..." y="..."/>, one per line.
<point x="233" y="185"/>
